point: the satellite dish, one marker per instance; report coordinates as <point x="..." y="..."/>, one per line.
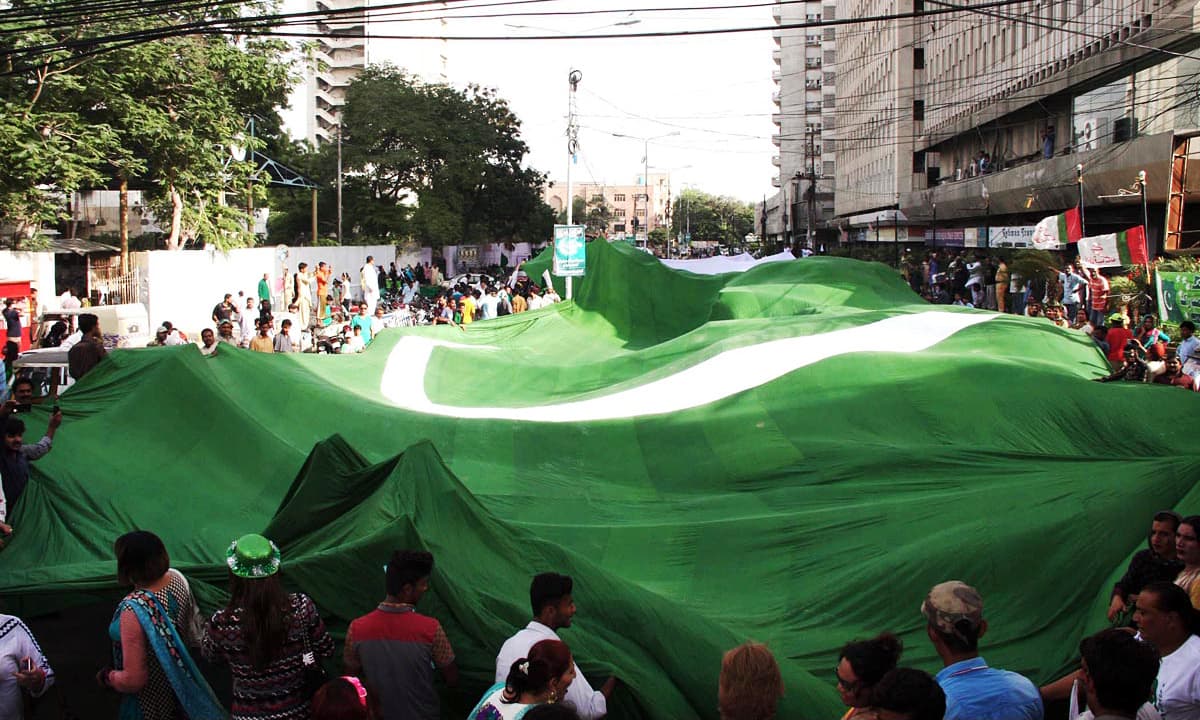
<point x="281" y="252"/>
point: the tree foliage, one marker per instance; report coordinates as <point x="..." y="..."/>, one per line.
<point x="158" y="115"/>
<point x="454" y="156"/>
<point x="711" y="217"/>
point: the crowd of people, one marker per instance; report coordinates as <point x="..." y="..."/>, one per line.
<point x="275" y="644"/>
<point x="346" y="323"/>
<point x="1137" y="349"/>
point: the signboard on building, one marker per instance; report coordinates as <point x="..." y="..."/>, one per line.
<point x="1020" y="236"/>
<point x="468" y="255"/>
<point x="945" y="237"/>
<point x="570" y="250"/>
<point x="1178" y="296"/>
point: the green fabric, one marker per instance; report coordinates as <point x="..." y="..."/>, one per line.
<point x="803" y="511"/>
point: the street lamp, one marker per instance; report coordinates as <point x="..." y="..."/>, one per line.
<point x="623" y="23"/>
<point x="645" y="169"/>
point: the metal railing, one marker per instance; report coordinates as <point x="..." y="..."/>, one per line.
<point x="110" y="287"/>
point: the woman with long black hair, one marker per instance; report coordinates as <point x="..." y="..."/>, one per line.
<point x="264" y="634"/>
<point x="541" y="678"/>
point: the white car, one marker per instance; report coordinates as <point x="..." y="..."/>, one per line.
<point x="475" y="280"/>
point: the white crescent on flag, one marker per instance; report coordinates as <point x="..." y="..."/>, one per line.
<point x="723" y="375"/>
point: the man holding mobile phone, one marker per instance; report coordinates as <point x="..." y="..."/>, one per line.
<point x="23" y="667"/>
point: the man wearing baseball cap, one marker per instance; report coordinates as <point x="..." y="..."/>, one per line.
<point x="974" y="691"/>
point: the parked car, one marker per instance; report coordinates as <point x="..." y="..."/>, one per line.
<point x="126" y="325"/>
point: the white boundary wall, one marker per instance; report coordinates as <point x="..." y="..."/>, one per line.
<point x="35" y="266"/>
<point x="184" y="285"/>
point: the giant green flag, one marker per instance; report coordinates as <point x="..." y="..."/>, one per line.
<point x="793" y="454"/>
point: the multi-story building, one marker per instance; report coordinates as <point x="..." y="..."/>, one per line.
<point x="968" y="127"/>
<point x="805" y="120"/>
<point x="650" y="203"/>
<point x="341" y="54"/>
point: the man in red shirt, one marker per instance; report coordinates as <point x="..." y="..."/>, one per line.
<point x="1098" y="288"/>
<point x="397" y="647"/>
<point x="1174" y="375"/>
<point x="1118" y="336"/>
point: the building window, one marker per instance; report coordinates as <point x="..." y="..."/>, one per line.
<point x="619" y="197"/>
<point x="597" y="198"/>
<point x="918" y="58"/>
<point x="619" y="212"/>
<point x="919" y="110"/>
<point x="641" y="212"/>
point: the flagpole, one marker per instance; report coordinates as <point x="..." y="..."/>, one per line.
<point x="1079" y="180"/>
<point x="1145" y="221"/>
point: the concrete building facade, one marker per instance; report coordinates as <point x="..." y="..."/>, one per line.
<point x="804" y="114"/>
<point x="624" y="202"/>
<point x="341" y="54"/>
<point x="969" y="127"/>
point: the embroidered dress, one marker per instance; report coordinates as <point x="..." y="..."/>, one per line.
<point x="173" y="680"/>
<point x="274" y="692"/>
<point x="493" y="706"/>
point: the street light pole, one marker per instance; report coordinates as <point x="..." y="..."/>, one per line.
<point x="646" y="175"/>
<point x="573" y="79"/>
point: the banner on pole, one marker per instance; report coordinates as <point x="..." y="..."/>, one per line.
<point x="570" y="250"/>
<point x="1178" y="296"/>
<point x="1114" y="249"/>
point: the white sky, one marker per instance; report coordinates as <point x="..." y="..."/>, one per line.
<point x="715" y="91"/>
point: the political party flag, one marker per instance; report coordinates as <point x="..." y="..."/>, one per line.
<point x="1114" y="249"/>
<point x="1055" y="231"/>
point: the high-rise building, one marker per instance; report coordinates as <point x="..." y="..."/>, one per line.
<point x="341" y="54"/>
<point x="805" y="121"/>
<point x="966" y="128"/>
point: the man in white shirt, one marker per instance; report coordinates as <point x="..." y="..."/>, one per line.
<point x="1189" y="348"/>
<point x="369" y="277"/>
<point x="246" y="322"/>
<point x="535" y="301"/>
<point x="1118" y="675"/>
<point x="553" y="608"/>
<point x="378" y="322"/>
<point x="488" y="304"/>
<point x="23" y="668"/>
<point x="1166" y="619"/>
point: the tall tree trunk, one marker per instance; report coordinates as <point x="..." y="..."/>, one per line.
<point x="123" y="222"/>
<point x="173" y="241"/>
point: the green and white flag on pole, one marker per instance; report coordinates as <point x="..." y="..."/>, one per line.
<point x="1114" y="249"/>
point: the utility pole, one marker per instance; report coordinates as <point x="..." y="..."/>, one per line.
<point x="812" y="190"/>
<point x="646" y="193"/>
<point x="339" y="183"/>
<point x="573" y="78"/>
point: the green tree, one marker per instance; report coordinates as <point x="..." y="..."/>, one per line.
<point x="578" y="211"/>
<point x="49" y="150"/>
<point x="711" y="218"/>
<point x="457" y="153"/>
<point x="159" y="114"/>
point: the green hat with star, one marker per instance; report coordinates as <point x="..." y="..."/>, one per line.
<point x="252" y="556"/>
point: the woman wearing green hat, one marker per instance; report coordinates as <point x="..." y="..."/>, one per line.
<point x="264" y="634"/>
